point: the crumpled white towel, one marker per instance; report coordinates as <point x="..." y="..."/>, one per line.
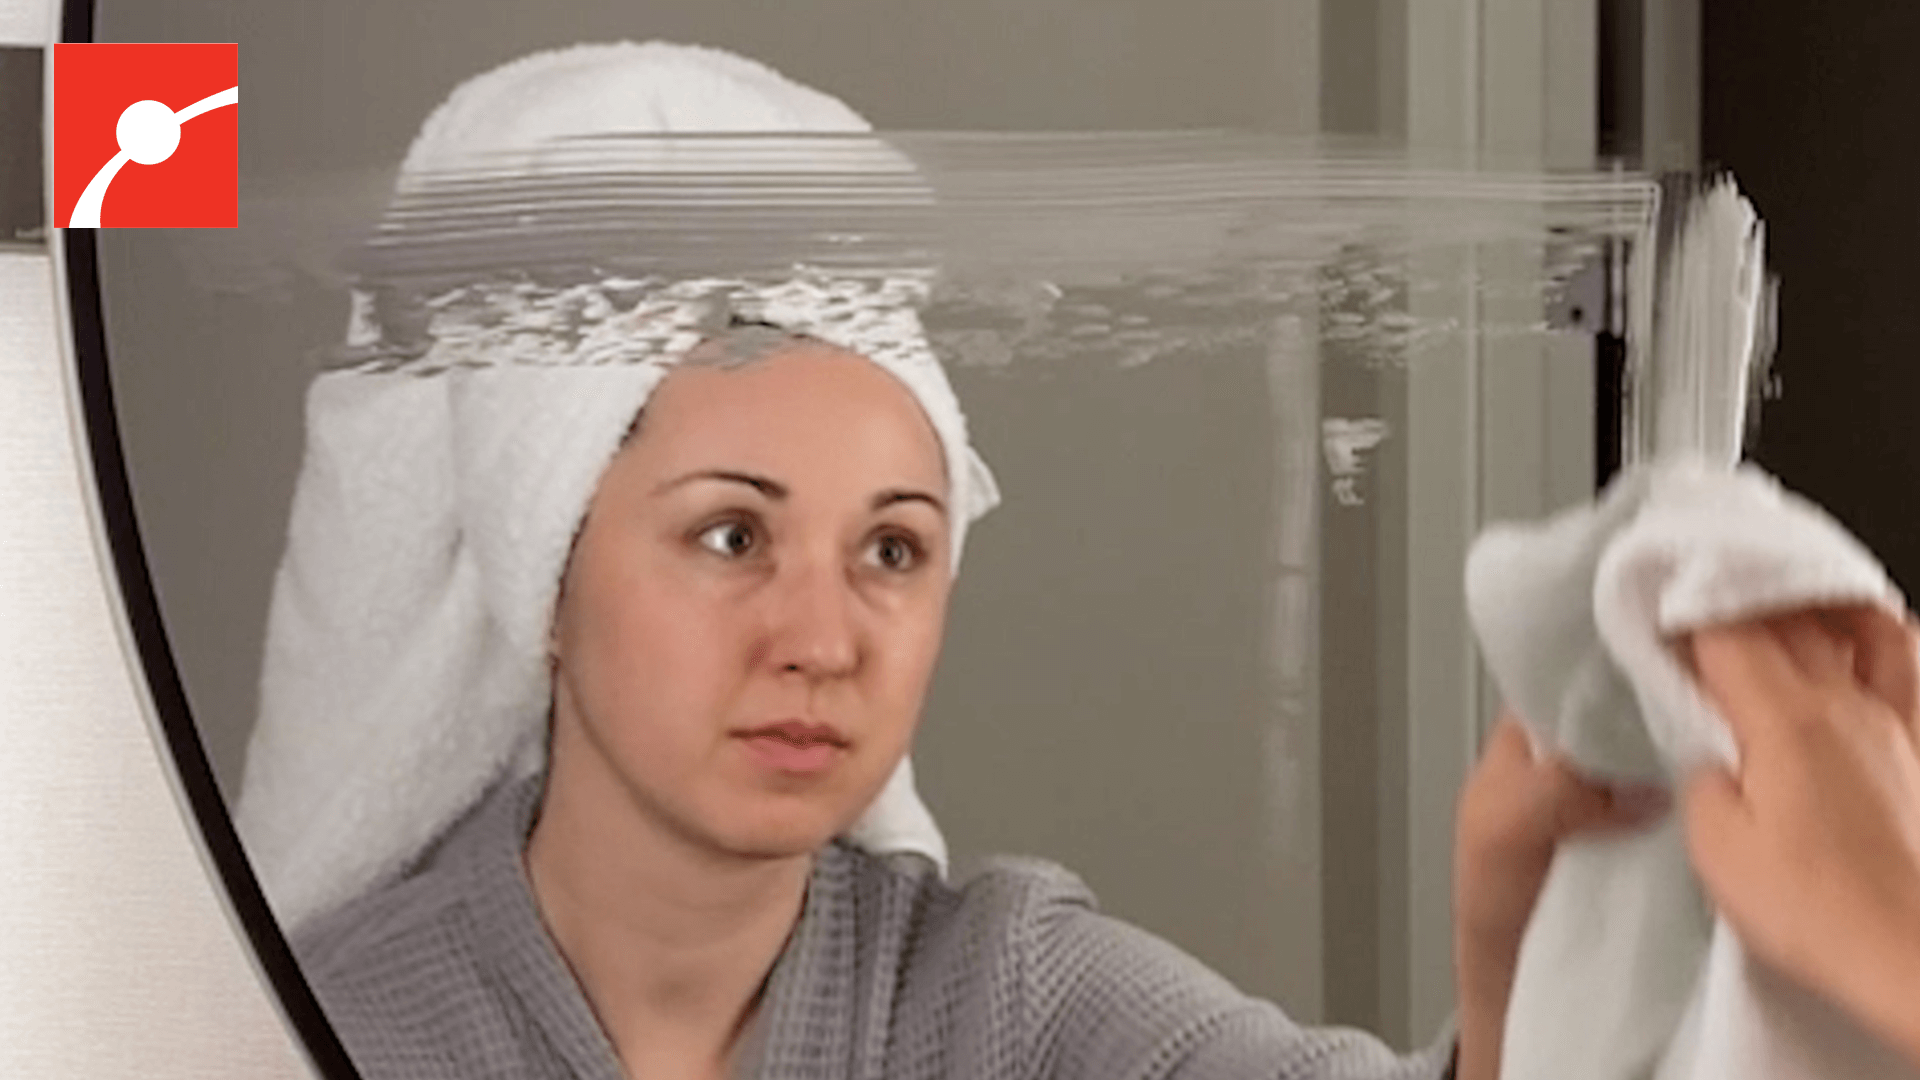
<point x="405" y="666"/>
<point x="1624" y="973"/>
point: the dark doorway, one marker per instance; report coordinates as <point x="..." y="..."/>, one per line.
<point x="1813" y="107"/>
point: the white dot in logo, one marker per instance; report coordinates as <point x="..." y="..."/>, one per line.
<point x="148" y="132"/>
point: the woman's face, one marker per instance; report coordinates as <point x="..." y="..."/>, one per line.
<point x="753" y="609"/>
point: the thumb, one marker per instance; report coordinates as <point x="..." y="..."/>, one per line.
<point x="1885" y="659"/>
<point x="1575" y="804"/>
<point x="1719" y="829"/>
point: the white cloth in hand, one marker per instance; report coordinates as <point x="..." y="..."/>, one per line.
<point x="1624" y="973"/>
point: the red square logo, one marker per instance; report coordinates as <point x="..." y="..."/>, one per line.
<point x="146" y="136"/>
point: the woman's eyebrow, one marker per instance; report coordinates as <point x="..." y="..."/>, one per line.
<point x="772" y="489"/>
<point x="899" y="495"/>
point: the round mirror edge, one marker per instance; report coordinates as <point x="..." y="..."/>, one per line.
<point x="184" y="759"/>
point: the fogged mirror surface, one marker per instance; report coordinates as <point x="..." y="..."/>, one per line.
<point x="1247" y="395"/>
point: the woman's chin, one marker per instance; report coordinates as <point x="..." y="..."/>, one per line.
<point x="773" y="815"/>
<point x="780" y="830"/>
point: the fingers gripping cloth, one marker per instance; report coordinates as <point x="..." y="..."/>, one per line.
<point x="405" y="666"/>
<point x="1624" y="973"/>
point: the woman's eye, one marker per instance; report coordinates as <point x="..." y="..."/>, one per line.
<point x="732" y="539"/>
<point x="896" y="553"/>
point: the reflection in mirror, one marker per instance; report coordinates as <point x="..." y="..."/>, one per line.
<point x="22" y="217"/>
<point x="537" y="681"/>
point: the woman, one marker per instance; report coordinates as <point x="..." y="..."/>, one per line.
<point x="742" y="641"/>
<point x="675" y="610"/>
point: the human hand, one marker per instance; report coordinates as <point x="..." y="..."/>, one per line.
<point x="1812" y="851"/>
<point x="1514" y="811"/>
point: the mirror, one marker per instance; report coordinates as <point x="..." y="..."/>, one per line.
<point x="1248" y="387"/>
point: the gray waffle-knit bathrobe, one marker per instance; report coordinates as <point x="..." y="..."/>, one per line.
<point x="891" y="974"/>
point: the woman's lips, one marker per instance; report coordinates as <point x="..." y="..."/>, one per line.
<point x="794" y="747"/>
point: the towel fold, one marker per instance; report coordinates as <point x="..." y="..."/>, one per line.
<point x="1624" y="972"/>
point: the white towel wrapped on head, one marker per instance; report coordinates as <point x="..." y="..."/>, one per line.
<point x="1624" y="973"/>
<point x="649" y="87"/>
<point x="405" y="665"/>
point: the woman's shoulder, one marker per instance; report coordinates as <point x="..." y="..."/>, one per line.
<point x="429" y="911"/>
<point x="1028" y="927"/>
<point x="434" y="974"/>
<point x="388" y="970"/>
<point x="1018" y="957"/>
<point x="1016" y="962"/>
<point x="383" y="930"/>
<point x="1012" y="893"/>
<point x="1044" y="916"/>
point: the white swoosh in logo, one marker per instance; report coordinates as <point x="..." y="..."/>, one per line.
<point x="86" y="212"/>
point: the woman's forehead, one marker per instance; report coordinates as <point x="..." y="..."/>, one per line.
<point x="804" y="405"/>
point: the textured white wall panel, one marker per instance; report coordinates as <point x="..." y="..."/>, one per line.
<point x="117" y="954"/>
<point x="28" y="22"/>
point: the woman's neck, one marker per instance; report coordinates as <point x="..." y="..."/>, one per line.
<point x="670" y="939"/>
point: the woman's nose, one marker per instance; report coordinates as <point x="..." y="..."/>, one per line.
<point x="815" y="631"/>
